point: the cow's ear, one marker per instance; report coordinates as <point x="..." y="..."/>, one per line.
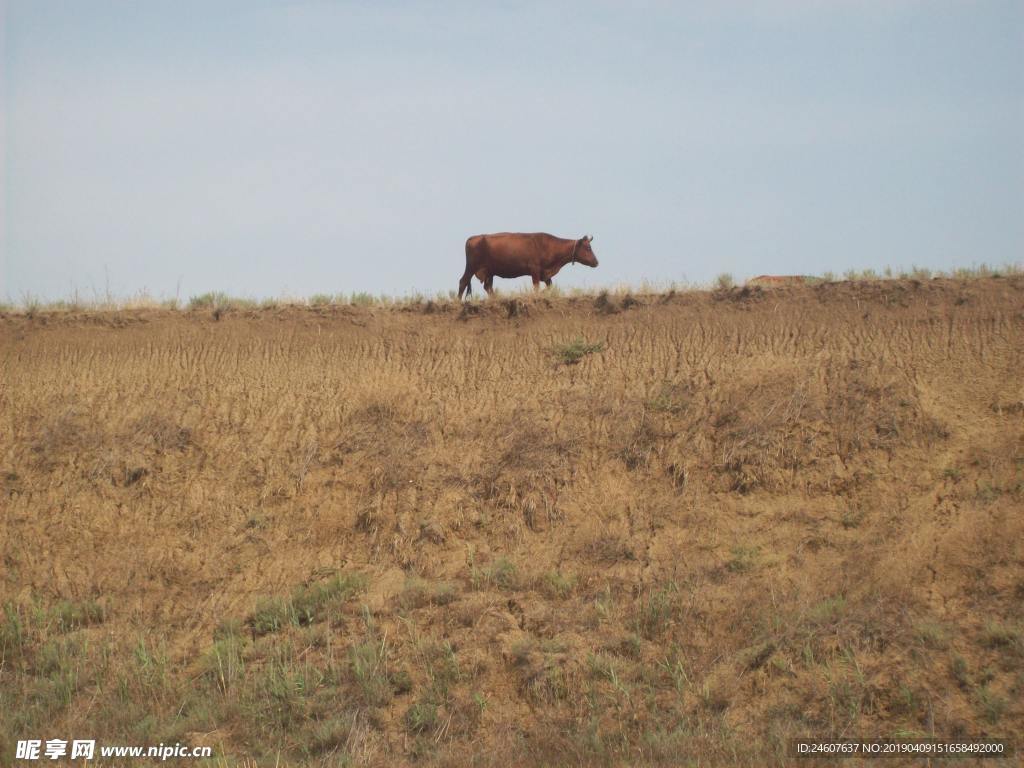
<point x="588" y="238"/>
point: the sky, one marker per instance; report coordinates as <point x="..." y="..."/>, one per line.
<point x="271" y="148"/>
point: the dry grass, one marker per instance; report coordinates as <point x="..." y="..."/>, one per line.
<point x="606" y="301"/>
<point x="630" y="528"/>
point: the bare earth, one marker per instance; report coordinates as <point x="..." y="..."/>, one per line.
<point x="425" y="535"/>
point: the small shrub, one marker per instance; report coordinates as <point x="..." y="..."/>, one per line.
<point x="604" y="604"/>
<point x="366" y="660"/>
<point x="442" y="666"/>
<point x="13" y="632"/>
<point x="670" y="398"/>
<point x="309" y="603"/>
<point x="71" y="616"/>
<point x="852" y="518"/>
<point x="906" y="700"/>
<point x="522" y="650"/>
<point x="654" y="613"/>
<point x="988" y="493"/>
<point x="576" y="350"/>
<point x="604" y="666"/>
<point x="30" y="304"/>
<point x="605" y="304"/>
<point x="401" y="682"/>
<point x="501" y="573"/>
<point x="558" y="585"/>
<point x="223" y="664"/>
<point x="958" y="668"/>
<point x="629" y="301"/>
<point x="631" y="646"/>
<point x="419" y="593"/>
<point x="516" y="308"/>
<point x="361" y="299"/>
<point x="271" y="614"/>
<point x="306" y="605"/>
<point x="829" y="610"/>
<point x="209" y="300"/>
<point x="230" y="627"/>
<point x="151" y="665"/>
<point x="725" y="282"/>
<point x="992" y="705"/>
<point x="932" y="635"/>
<point x="743" y="559"/>
<point x="756" y="656"/>
<point x="1000" y="636"/>
<point x="333" y="735"/>
<point x="717" y="692"/>
<point x="59" y="661"/>
<point x="420" y="717"/>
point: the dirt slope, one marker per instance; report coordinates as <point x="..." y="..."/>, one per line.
<point x="678" y="528"/>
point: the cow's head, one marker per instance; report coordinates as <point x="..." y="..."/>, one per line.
<point x="584" y="253"/>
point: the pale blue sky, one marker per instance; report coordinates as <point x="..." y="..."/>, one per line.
<point x="273" y="147"/>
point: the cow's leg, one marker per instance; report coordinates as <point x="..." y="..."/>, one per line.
<point x="547" y="281"/>
<point x="536" y="282"/>
<point x="489" y="285"/>
<point x="465" y="284"/>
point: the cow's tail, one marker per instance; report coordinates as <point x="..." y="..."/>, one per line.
<point x="465" y="284"/>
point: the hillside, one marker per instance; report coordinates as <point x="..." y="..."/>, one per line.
<point x="656" y="529"/>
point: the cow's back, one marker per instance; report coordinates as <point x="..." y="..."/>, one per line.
<point x="517" y="243"/>
<point x="510" y="254"/>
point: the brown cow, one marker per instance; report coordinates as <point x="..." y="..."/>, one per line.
<point x="508" y="254"/>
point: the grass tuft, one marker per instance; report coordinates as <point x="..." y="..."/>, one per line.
<point x="306" y="605"/>
<point x="575" y="350"/>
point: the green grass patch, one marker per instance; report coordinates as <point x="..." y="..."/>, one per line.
<point x="932" y="635"/>
<point x="828" y="611"/>
<point x="669" y="398"/>
<point x="558" y="585"/>
<point x="209" y="300"/>
<point x="1001" y="637"/>
<point x="421" y="717"/>
<point x="362" y="299"/>
<point x="419" y="593"/>
<point x="307" y="604"/>
<point x="574" y="351"/>
<point x="75" y="615"/>
<point x="743" y="559"/>
<point x="367" y="663"/>
<point x="655" y="612"/>
<point x="501" y="574"/>
<point x="991" y="705"/>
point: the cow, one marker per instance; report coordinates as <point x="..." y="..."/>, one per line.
<point x="509" y="254"/>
